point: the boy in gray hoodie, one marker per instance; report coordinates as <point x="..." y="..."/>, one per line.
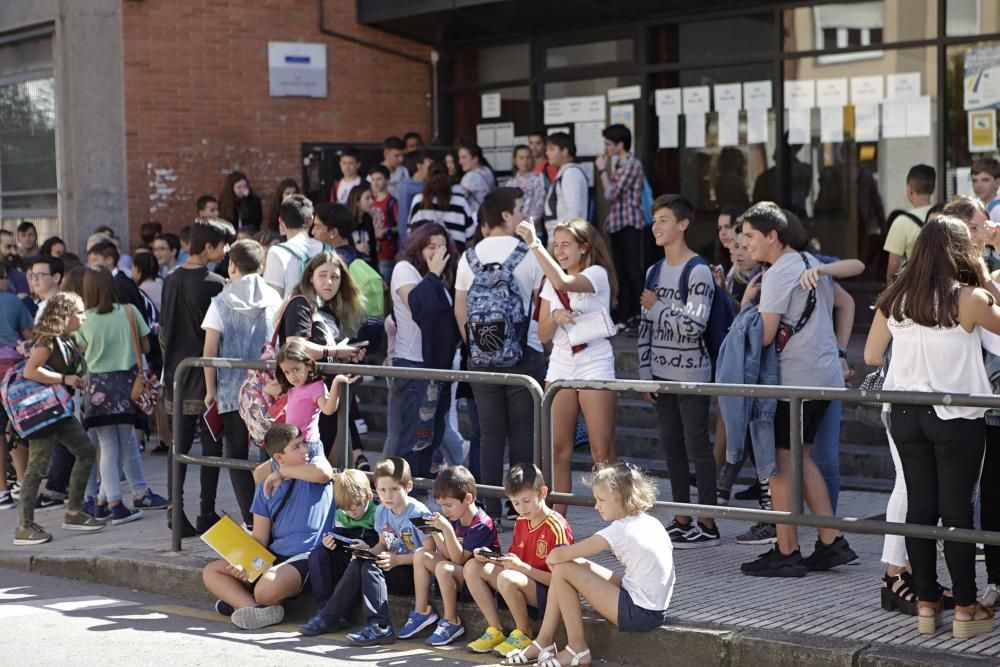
<point x="239" y="322"/>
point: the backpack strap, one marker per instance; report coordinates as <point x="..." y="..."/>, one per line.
<point x="653" y="274"/>
<point x="810" y="301"/>
<point x="686" y="275"/>
<point x="284" y="501"/>
<point x="900" y="213"/>
<point x="281" y="319"/>
<point x="515" y="256"/>
<point x="473" y="259"/>
<point x="302" y="257"/>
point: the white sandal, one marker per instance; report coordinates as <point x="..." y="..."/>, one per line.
<point x="552" y="660"/>
<point x="520" y="656"/>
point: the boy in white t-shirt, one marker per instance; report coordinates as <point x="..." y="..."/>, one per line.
<point x="286" y="260"/>
<point x="636" y="601"/>
<point x="350" y="162"/>
<point x="505" y="412"/>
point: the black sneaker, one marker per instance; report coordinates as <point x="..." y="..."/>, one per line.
<point x="43" y="501"/>
<point x="831" y="555"/>
<point x="187" y="530"/>
<point x="722" y="496"/>
<point x="752" y="492"/>
<point x="776" y="564"/>
<point x="205" y="521"/>
<point x="677" y="529"/>
<point x="224" y="608"/>
<point x="698" y="536"/>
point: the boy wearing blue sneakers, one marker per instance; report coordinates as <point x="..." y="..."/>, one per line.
<point x="457" y="533"/>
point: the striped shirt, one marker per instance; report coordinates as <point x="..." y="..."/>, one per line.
<point x="625" y="196"/>
<point x="456" y="217"/>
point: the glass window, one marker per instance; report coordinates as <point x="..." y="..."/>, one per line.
<point x="592" y="53"/>
<point x="967" y="102"/>
<point x="508" y="62"/>
<point x="972" y="17"/>
<point x="515" y="107"/>
<point x="28" y="185"/>
<point x="702" y="41"/>
<point x="843" y="183"/>
<point x="846" y="25"/>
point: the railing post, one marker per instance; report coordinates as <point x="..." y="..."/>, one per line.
<point x="545" y="452"/>
<point x="177" y="485"/>
<point x="795" y="440"/>
<point x="344" y="426"/>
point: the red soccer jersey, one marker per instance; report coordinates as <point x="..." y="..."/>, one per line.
<point x="533" y="546"/>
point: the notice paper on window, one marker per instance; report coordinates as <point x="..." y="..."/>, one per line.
<point x="668" y="102"/>
<point x="694" y="130"/>
<point x="866" y="122"/>
<point x="756" y="126"/>
<point x="757" y="95"/>
<point x="588" y="137"/>
<point x="800" y="95"/>
<point x="918" y="117"/>
<point x="729" y="128"/>
<point x="490" y="105"/>
<point x="799" y="126"/>
<point x="668" y="132"/>
<point x="893" y="120"/>
<point x="831" y="124"/>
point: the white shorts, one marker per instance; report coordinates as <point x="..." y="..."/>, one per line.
<point x="580" y="367"/>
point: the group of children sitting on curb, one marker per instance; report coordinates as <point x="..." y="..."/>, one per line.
<point x="350" y="549"/>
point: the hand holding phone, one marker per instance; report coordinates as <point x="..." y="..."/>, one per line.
<point x="422" y="523"/>
<point x="489" y="554"/>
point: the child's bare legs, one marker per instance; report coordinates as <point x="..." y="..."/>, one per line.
<point x="277" y="585"/>
<point x="600" y="588"/>
<point x="450" y="578"/>
<point x="599" y="414"/>
<point x="565" y="409"/>
<point x="481" y="578"/>
<point x="424" y="562"/>
<point x="550" y="625"/>
<point x="518" y="591"/>
<point x="225" y="586"/>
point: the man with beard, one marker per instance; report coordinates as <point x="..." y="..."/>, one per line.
<point x="17" y="283"/>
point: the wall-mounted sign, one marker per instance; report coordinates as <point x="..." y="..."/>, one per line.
<point x="296" y="70"/>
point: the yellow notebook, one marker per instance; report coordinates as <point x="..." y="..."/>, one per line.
<point x="238" y="548"/>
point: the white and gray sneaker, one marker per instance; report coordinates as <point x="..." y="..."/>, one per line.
<point x="990" y="596"/>
<point x="698" y="535"/>
<point x="759" y="533"/>
<point x="257" y="617"/>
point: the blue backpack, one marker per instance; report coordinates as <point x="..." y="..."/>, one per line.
<point x="721" y="315"/>
<point x="646" y="203"/>
<point x="497" y="327"/>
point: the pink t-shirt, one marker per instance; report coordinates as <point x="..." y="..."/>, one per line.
<point x="302" y="410"/>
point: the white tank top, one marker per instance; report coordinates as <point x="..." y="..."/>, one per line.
<point x="938" y="360"/>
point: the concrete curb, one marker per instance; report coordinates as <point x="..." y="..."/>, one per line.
<point x="690" y="645"/>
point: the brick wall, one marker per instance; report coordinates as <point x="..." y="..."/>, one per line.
<point x="197" y="103"/>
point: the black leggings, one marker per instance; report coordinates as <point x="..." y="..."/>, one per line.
<point x="941" y="464"/>
<point x="989" y="501"/>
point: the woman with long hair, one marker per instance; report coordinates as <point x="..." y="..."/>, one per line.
<point x="146" y="274"/>
<point x="937" y="303"/>
<point x="110" y="354"/>
<point x="477" y="176"/>
<point x="53" y="247"/>
<point x="359" y="200"/>
<point x="579" y="281"/>
<point x="443" y="203"/>
<point x="426" y="337"/>
<point x="324" y="308"/>
<point x="287" y="187"/>
<point x="238" y="204"/>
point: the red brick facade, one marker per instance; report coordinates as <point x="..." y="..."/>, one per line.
<point x="197" y="103"/>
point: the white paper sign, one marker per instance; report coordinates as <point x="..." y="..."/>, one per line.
<point x="625" y="94"/>
<point x="505" y="134"/>
<point x="918" y="117"/>
<point x="799" y="126"/>
<point x="624" y="114"/>
<point x="295" y="69"/>
<point x="756" y="126"/>
<point x="865" y="122"/>
<point x="574" y="109"/>
<point x="866" y="90"/>
<point x="490" y="105"/>
<point x="696" y="100"/>
<point x="831" y="93"/>
<point x="729" y="128"/>
<point x="503" y="159"/>
<point x="831" y="124"/>
<point x="486" y="135"/>
<point x="668" y="132"/>
<point x="694" y="130"/>
<point x="903" y="87"/>
<point x="893" y="120"/>
<point x="800" y="95"/>
<point x="757" y="95"/>
<point x="963" y="181"/>
<point x="668" y="102"/>
<point x="728" y="97"/>
<point x="588" y="138"/>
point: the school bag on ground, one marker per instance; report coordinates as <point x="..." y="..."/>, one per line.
<point x="721" y="314"/>
<point x="497" y="326"/>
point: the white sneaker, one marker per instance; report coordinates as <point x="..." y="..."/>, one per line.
<point x="362" y="426"/>
<point x="990" y="596"/>
<point x="466" y="446"/>
<point x="15" y="491"/>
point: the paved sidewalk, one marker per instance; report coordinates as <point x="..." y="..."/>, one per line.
<point x="837" y="611"/>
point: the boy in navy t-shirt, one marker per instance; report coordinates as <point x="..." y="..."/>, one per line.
<point x="386" y="567"/>
<point x="458" y="532"/>
<point x="291" y="511"/>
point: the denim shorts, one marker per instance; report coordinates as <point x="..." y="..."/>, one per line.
<point x="633" y="618"/>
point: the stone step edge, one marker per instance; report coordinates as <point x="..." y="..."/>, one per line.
<point x="687" y="643"/>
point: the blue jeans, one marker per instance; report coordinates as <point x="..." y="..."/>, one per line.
<point x="826" y="451"/>
<point x="119" y="450"/>
<point x="423" y="410"/>
<point x="393" y="422"/>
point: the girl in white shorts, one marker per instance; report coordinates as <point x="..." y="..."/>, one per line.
<point x="580" y="279"/>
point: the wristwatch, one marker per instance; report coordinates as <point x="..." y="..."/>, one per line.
<point x="537" y="243"/>
<point x="842" y="353"/>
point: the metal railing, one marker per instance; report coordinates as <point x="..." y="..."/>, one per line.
<point x="343" y="445"/>
<point x="795" y="396"/>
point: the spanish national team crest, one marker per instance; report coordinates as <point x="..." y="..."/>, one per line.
<point x="541" y="549"/>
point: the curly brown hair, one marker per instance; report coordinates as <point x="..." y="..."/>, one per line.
<point x="58" y="311"/>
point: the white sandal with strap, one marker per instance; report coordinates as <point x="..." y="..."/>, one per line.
<point x="520" y="656"/>
<point x="553" y="660"/>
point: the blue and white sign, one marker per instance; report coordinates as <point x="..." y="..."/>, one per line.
<point x="296" y="70"/>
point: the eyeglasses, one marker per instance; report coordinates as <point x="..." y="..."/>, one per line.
<point x="38" y="276"/>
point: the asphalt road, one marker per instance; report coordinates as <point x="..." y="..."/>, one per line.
<point x="48" y="621"/>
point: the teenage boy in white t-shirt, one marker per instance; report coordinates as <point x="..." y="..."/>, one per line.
<point x="505" y="412"/>
<point x="350" y="162"/>
<point x="286" y="260"/>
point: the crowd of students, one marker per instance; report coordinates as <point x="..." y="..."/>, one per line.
<point x="435" y="266"/>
